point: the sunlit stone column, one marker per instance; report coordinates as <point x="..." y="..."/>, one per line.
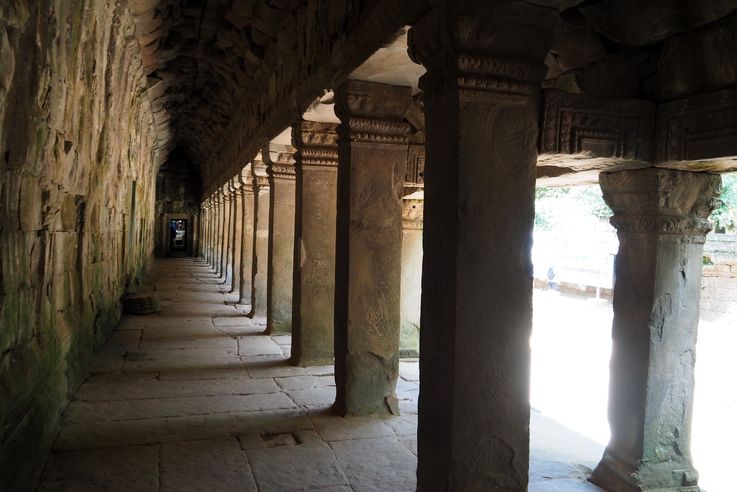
<point x="280" y="169"/>
<point x="485" y="66"/>
<point x="221" y="234"/>
<point x="259" y="281"/>
<point x="249" y="208"/>
<point x="313" y="300"/>
<point x="372" y="158"/>
<point x="661" y="220"/>
<point x="235" y="262"/>
<point x="409" y="340"/>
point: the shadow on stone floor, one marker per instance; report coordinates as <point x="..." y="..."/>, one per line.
<point x="200" y="401"/>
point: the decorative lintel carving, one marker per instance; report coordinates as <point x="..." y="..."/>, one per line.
<point x="698" y="128"/>
<point x="597" y="127"/>
<point x="415" y="174"/>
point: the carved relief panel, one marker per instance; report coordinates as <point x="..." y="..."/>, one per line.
<point x="699" y="127"/>
<point x="580" y="124"/>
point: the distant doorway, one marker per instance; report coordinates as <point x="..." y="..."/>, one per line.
<point x="178" y="235"/>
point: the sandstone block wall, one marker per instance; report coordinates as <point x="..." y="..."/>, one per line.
<point x="77" y="181"/>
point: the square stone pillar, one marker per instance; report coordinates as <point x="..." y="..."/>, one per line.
<point x="259" y="282"/>
<point x="313" y="298"/>
<point x="222" y="232"/>
<point x="485" y="66"/>
<point x="227" y="232"/>
<point x="661" y="220"/>
<point x="411" y="290"/>
<point x="217" y="231"/>
<point x="235" y="262"/>
<point x="280" y="169"/>
<point x="372" y="158"/>
<point x="205" y="225"/>
<point x="248" y="213"/>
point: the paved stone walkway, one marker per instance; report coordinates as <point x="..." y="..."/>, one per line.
<point x="196" y="398"/>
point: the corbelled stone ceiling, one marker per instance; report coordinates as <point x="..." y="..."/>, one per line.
<point x="214" y="64"/>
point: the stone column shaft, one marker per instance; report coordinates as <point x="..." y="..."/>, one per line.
<point x="259" y="281"/>
<point x="225" y="242"/>
<point x="313" y="299"/>
<point x="249" y="209"/>
<point x="237" y="241"/>
<point x="660" y="216"/>
<point x="372" y="158"/>
<point x="409" y="340"/>
<point x="481" y="101"/>
<point x="281" y="241"/>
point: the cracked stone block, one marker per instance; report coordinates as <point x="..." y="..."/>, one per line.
<point x="112" y="469"/>
<point x="377" y="464"/>
<point x="300" y="467"/>
<point x="205" y="466"/>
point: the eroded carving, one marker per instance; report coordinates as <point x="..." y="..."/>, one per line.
<point x="579" y="124"/>
<point x="700" y="127"/>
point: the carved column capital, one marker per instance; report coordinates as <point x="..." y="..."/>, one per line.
<point x="373" y="113"/>
<point x="259" y="176"/>
<point x="316" y="144"/>
<point x="455" y="45"/>
<point x="280" y="162"/>
<point x="412" y="214"/>
<point x="661" y="201"/>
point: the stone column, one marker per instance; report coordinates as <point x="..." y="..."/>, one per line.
<point x="313" y="298"/>
<point x="204" y="225"/>
<point x="661" y="220"/>
<point x="259" y="281"/>
<point x="372" y="157"/>
<point x="249" y="209"/>
<point x="280" y="169"/>
<point x="485" y="67"/>
<point x="227" y="219"/>
<point x="216" y="231"/>
<point x="235" y="263"/>
<point x="409" y="338"/>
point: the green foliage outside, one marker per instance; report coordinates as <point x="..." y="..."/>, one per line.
<point x="588" y="200"/>
<point x="724" y="216"/>
<point x="591" y="202"/>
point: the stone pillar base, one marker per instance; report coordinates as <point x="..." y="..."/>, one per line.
<point x="615" y="475"/>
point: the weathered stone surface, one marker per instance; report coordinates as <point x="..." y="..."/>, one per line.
<point x="477" y="276"/>
<point x="661" y="219"/>
<point x="76" y="140"/>
<point x="372" y="154"/>
<point x="701" y="129"/>
<point x="377" y="464"/>
<point x="411" y="287"/>
<point x="313" y="300"/>
<point x="281" y="237"/>
<point x="113" y="469"/>
<point x="307" y="466"/>
<point x="261" y="211"/>
<point x="204" y="466"/>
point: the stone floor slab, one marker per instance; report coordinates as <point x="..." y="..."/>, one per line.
<point x="107" y="469"/>
<point x="106" y="411"/>
<point x="137" y="389"/>
<point x="308" y="466"/>
<point x="334" y="428"/>
<point x="377" y="464"/>
<point x="205" y="466"/>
